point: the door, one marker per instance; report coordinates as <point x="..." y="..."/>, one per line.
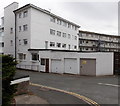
<point x="70" y="66"/>
<point x="56" y="66"/>
<point x="87" y="66"/>
<point x="47" y="66"/>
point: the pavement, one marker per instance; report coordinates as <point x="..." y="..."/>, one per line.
<point x="46" y="96"/>
<point x="103" y="89"/>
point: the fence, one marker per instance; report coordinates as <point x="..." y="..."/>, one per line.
<point x="29" y="67"/>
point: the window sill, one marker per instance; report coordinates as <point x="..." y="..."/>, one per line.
<point x="34" y="61"/>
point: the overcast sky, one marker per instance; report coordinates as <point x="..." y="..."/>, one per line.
<point x="92" y="15"/>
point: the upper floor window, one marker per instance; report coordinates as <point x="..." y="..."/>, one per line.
<point x="52" y="32"/>
<point x="59" y="21"/>
<point x="11" y="30"/>
<point x="64" y="34"/>
<point x="69" y="36"/>
<point x="25" y="27"/>
<point x="52" y="44"/>
<point x="75" y="28"/>
<point x="75" y="37"/>
<point x="2" y="44"/>
<point x="19" y="42"/>
<point x="20" y="14"/>
<point x="22" y="56"/>
<point x="25" y="13"/>
<point x="11" y="42"/>
<point x="69" y="26"/>
<point x="20" y="28"/>
<point x="52" y="19"/>
<point x="75" y="47"/>
<point x="58" y="33"/>
<point x="64" y="23"/>
<point x="25" y="41"/>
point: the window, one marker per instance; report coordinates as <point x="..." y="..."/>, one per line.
<point x="25" y="13"/>
<point x="69" y="26"/>
<point x="58" y="44"/>
<point x="20" y="28"/>
<point x="69" y="36"/>
<point x="2" y="44"/>
<point x="35" y="56"/>
<point x="75" y="37"/>
<point x="52" y="44"/>
<point x="22" y="56"/>
<point x="42" y="61"/>
<point x="59" y="21"/>
<point x="11" y="30"/>
<point x="64" y="23"/>
<point x="75" y="47"/>
<point x="86" y="48"/>
<point x="75" y="28"/>
<point x="58" y="33"/>
<point x="52" y="32"/>
<point x="20" y="15"/>
<point x="25" y="41"/>
<point x="19" y="42"/>
<point x="80" y="41"/>
<point x="64" y="45"/>
<point x="11" y="42"/>
<point x="52" y="19"/>
<point x="69" y="46"/>
<point x="86" y="41"/>
<point x="64" y="35"/>
<point x="25" y="27"/>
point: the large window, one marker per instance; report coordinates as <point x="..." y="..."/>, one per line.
<point x="35" y="56"/>
<point x="20" y="28"/>
<point x="52" y="32"/>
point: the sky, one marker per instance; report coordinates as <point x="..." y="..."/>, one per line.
<point x="99" y="16"/>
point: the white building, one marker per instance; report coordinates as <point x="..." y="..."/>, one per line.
<point x="45" y="42"/>
<point x="1" y="35"/>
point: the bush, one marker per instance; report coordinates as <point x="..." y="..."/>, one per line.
<point x="8" y="72"/>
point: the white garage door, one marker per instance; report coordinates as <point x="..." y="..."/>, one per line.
<point x="56" y="66"/>
<point x="71" y="66"/>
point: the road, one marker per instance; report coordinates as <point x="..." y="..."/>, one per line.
<point x="103" y="89"/>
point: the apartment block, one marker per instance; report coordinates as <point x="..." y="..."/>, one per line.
<point x="91" y="41"/>
<point x="1" y="35"/>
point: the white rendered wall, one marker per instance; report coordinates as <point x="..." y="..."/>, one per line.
<point x="9" y="22"/>
<point x="40" y="31"/>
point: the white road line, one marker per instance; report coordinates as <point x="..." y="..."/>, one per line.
<point x="109" y="84"/>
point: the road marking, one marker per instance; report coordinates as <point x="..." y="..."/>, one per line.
<point x="87" y="100"/>
<point x="109" y="84"/>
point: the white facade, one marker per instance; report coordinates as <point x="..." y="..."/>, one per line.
<point x="69" y="62"/>
<point x="9" y="29"/>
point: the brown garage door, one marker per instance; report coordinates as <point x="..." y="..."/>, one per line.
<point x="87" y="66"/>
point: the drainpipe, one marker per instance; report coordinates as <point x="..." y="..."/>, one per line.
<point x="15" y="39"/>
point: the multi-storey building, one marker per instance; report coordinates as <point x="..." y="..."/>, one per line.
<point x="1" y="35"/>
<point x="91" y="41"/>
<point x="31" y="27"/>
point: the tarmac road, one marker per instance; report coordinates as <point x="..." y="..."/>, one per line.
<point x="103" y="90"/>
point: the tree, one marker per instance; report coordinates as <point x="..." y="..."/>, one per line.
<point x="8" y="72"/>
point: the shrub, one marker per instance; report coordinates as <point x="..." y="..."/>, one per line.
<point x="8" y="72"/>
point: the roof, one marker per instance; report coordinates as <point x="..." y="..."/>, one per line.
<point x="98" y="33"/>
<point x="42" y="10"/>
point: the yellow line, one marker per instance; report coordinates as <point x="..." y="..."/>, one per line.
<point x="89" y="101"/>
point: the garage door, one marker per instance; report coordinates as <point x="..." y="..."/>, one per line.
<point x="88" y="66"/>
<point x="71" y="66"/>
<point x="56" y="66"/>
